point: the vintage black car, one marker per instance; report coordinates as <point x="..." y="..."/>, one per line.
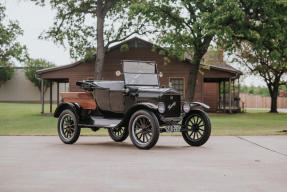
<point x="136" y="107"/>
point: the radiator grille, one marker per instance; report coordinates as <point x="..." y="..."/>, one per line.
<point x="172" y="105"/>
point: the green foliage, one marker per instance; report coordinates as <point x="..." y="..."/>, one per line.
<point x="263" y="24"/>
<point x="188" y="26"/>
<point x="124" y="48"/>
<point x="6" y="72"/>
<point x="261" y="42"/>
<point x="30" y="71"/>
<point x="255" y="90"/>
<point x="10" y="49"/>
<point x="90" y="55"/>
<point x="162" y="52"/>
<point x="76" y="23"/>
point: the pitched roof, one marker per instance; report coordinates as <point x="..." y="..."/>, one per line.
<point x="212" y="58"/>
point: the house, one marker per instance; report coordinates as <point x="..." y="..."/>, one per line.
<point x="211" y="84"/>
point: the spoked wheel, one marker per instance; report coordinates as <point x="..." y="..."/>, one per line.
<point x="144" y="129"/>
<point x="68" y="129"/>
<point x="197" y="128"/>
<point x="118" y="134"/>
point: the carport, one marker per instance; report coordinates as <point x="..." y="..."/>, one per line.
<point x="51" y="81"/>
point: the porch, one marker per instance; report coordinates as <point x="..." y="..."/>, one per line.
<point x="51" y="82"/>
<point x="227" y="98"/>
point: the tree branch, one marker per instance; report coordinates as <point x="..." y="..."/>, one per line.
<point x="108" y="5"/>
<point x="124" y="38"/>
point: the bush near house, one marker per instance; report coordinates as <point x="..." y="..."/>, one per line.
<point x="34" y="65"/>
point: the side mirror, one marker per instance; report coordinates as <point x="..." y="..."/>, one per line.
<point x="118" y="73"/>
<point x="160" y="74"/>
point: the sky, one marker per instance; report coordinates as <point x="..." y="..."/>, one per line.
<point x="35" y="19"/>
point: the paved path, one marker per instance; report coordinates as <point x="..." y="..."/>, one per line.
<point x="97" y="164"/>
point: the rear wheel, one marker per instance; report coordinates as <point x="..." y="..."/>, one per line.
<point x="197" y="128"/>
<point x="68" y="129"/>
<point x="144" y="129"/>
<point x="118" y="134"/>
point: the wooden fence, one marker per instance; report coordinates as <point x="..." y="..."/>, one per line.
<point x="258" y="101"/>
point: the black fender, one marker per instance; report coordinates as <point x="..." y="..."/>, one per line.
<point x="75" y="107"/>
<point x="198" y="104"/>
<point x="145" y="105"/>
<point x="193" y="111"/>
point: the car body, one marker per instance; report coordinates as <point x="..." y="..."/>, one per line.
<point x="136" y="106"/>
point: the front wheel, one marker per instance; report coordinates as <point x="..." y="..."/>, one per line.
<point x="144" y="129"/>
<point x="197" y="128"/>
<point x="68" y="129"/>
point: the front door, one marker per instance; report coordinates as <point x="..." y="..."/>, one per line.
<point x="211" y="95"/>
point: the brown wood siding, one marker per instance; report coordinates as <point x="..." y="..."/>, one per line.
<point x="211" y="95"/>
<point x="175" y="68"/>
<point x="215" y="73"/>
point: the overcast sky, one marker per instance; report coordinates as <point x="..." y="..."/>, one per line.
<point x="34" y="19"/>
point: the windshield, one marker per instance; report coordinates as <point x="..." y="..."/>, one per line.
<point x="141" y="79"/>
<point x="139" y="67"/>
<point x="140" y="73"/>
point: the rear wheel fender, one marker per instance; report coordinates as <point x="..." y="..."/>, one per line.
<point x="72" y="106"/>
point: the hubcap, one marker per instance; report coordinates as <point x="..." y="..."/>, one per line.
<point x="196" y="127"/>
<point x="142" y="129"/>
<point x="67" y="126"/>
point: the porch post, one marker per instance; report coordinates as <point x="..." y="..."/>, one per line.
<point x="58" y="93"/>
<point x="42" y="95"/>
<point x="224" y="94"/>
<point x="239" y="94"/>
<point x="219" y="91"/>
<point x="51" y="95"/>
<point x="230" y="111"/>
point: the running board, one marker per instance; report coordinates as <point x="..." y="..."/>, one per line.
<point x="101" y="122"/>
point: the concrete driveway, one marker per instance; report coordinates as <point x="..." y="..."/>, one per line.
<point x="98" y="164"/>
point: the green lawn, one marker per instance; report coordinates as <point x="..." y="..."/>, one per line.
<point x="25" y="119"/>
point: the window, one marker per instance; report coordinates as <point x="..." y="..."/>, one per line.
<point x="178" y="84"/>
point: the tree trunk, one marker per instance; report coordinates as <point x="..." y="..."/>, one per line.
<point x="274" y="95"/>
<point x="192" y="78"/>
<point x="199" y="52"/>
<point x="100" y="46"/>
<point x="274" y="103"/>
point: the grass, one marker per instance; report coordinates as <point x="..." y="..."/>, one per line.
<point x="25" y="119"/>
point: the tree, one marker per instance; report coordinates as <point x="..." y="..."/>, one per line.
<point x="30" y="71"/>
<point x="6" y="72"/>
<point x="188" y="26"/>
<point x="74" y="26"/>
<point x="254" y="90"/>
<point x="10" y="49"/>
<point x="262" y="65"/>
<point x="261" y="42"/>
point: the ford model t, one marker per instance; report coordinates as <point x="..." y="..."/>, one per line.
<point x="135" y="107"/>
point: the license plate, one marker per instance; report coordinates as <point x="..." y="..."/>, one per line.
<point x="173" y="128"/>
